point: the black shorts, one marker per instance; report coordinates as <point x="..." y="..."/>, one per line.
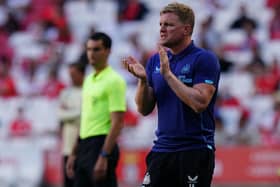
<point x="192" y="168"/>
<point x="87" y="155"/>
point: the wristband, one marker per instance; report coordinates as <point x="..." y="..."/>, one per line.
<point x="104" y="154"/>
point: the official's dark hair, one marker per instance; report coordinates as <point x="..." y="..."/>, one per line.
<point x="81" y="67"/>
<point x="106" y="40"/>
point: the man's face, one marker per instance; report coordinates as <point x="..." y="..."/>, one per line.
<point x="96" y="52"/>
<point x="172" y="30"/>
<point x="75" y="75"/>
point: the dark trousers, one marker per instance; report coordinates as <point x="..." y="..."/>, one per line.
<point x="87" y="155"/>
<point x="193" y="168"/>
<point x="66" y="180"/>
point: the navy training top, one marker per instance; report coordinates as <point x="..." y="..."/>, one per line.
<point x="179" y="127"/>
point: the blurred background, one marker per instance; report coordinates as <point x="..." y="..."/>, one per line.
<point x="40" y="38"/>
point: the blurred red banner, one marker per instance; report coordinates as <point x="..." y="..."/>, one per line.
<point x="247" y="165"/>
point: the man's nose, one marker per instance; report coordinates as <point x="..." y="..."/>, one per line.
<point x="163" y="27"/>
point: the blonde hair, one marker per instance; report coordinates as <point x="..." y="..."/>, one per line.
<point x="184" y="12"/>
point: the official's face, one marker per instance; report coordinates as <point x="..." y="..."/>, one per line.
<point x="96" y="52"/>
<point x="172" y="30"/>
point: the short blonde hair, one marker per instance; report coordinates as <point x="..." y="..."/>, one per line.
<point x="184" y="12"/>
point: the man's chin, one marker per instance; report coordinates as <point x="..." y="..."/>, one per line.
<point x="165" y="45"/>
<point x="162" y="43"/>
<point x="91" y="62"/>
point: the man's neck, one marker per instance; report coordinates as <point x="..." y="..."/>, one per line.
<point x="180" y="47"/>
<point x="98" y="69"/>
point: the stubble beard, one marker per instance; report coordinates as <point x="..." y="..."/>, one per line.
<point x="169" y="44"/>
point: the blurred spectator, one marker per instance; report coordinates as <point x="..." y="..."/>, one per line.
<point x="6" y="50"/>
<point x="69" y="113"/>
<point x="64" y="33"/>
<point x="215" y="5"/>
<point x="131" y="10"/>
<point x="276" y="66"/>
<point x="256" y="66"/>
<point x="225" y="64"/>
<point x="233" y="115"/>
<point x="243" y="19"/>
<point x="247" y="38"/>
<point x="266" y="83"/>
<point x="20" y="125"/>
<point x="140" y="136"/>
<point x="53" y="54"/>
<point x="266" y="76"/>
<point x="12" y="24"/>
<point x="7" y="83"/>
<point x="138" y="51"/>
<point x="246" y="134"/>
<point x="251" y="40"/>
<point x="83" y="58"/>
<point x="130" y="118"/>
<point x="129" y="79"/>
<point x="50" y="16"/>
<point x="274" y="23"/>
<point x="221" y="135"/>
<point x="53" y="85"/>
<point x="30" y="85"/>
<point x="270" y="125"/>
<point x="209" y="38"/>
<point x="275" y="70"/>
<point x="272" y="3"/>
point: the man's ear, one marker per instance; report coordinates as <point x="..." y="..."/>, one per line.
<point x="187" y="29"/>
<point x="108" y="50"/>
